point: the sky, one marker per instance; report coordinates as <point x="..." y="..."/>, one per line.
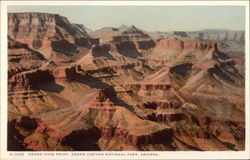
<point x="150" y="18"/>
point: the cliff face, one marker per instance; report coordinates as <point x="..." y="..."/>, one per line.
<point x="132" y="43"/>
<point x="184" y="50"/>
<point x="147" y="86"/>
<point x="67" y="73"/>
<point x="162" y="136"/>
<point x="211" y="35"/>
<point x="47" y="32"/>
<point x="228" y="41"/>
<point x="42" y="26"/>
<point x="166" y="117"/>
<point x="187" y="44"/>
<point x="224" y="36"/>
<point x="160" y="105"/>
<point x="28" y="80"/>
<point x="22" y="58"/>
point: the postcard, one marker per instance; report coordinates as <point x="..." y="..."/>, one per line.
<point x="124" y="80"/>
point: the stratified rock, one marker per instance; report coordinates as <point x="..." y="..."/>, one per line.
<point x="22" y="58"/>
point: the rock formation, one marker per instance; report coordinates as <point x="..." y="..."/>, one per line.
<point x="131" y="91"/>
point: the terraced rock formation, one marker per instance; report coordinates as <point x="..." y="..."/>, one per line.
<point x="68" y="90"/>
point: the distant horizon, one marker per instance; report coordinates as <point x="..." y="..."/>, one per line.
<point x="148" y="18"/>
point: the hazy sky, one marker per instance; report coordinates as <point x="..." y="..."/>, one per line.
<point x="151" y="18"/>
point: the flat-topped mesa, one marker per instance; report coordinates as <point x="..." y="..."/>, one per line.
<point x="135" y="38"/>
<point x="187" y="44"/>
<point x="42" y="30"/>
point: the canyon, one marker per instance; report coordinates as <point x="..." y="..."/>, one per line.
<point x="122" y="89"/>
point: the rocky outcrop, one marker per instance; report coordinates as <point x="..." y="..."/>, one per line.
<point x="43" y="31"/>
<point x="22" y="58"/>
<point x="145" y="45"/>
<point x="162" y="136"/>
<point x="38" y="136"/>
<point x="160" y="105"/>
<point x="166" y="117"/>
<point x="209" y="121"/>
<point x="181" y="69"/>
<point x="67" y="73"/>
<point x="121" y="44"/>
<point x="83" y="140"/>
<point x="132" y="33"/>
<point x="212" y="35"/>
<point x="101" y="51"/>
<point x="127" y="49"/>
<point x="147" y="86"/>
<point x="41" y="26"/>
<point x="27" y="123"/>
<point x="224" y="35"/>
<point x="181" y="34"/>
<point x="220" y="72"/>
<point x="29" y="79"/>
<point x="112" y="69"/>
<point x="239" y="59"/>
<point x="132" y="41"/>
<point x="194" y="134"/>
<point x="240" y="106"/>
<point x="186" y="44"/>
<point x="216" y="127"/>
<point x="154" y="61"/>
<point x="104" y="105"/>
<point x="105" y="100"/>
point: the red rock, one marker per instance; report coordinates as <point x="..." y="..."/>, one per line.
<point x="194" y="45"/>
<point x="147" y="86"/>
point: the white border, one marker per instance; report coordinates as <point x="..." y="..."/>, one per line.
<point x="5" y="155"/>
